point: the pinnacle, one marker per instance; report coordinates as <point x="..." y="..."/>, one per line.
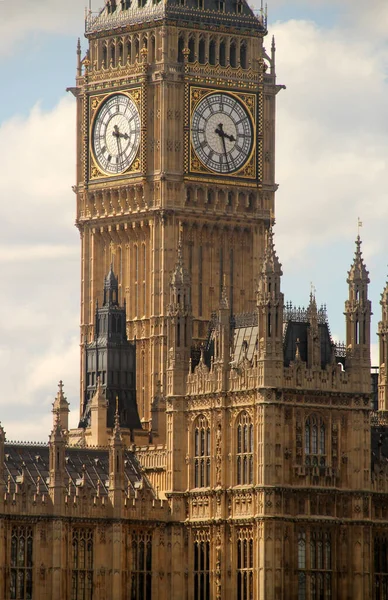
<point x="224" y="304"/>
<point x="180" y="275"/>
<point x="358" y="271"/>
<point x="271" y="262"/>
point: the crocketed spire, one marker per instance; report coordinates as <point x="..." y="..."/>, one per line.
<point x="271" y="262"/>
<point x="358" y="272"/>
<point x="180" y="276"/>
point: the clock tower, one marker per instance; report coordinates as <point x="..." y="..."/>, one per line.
<point x="176" y="144"/>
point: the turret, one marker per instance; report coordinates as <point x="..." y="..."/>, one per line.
<point x="270" y="305"/>
<point x="116" y="463"/>
<point x="313" y="336"/>
<point x="57" y="483"/>
<point x="179" y="335"/>
<point x="358" y="311"/>
<point x="61" y="409"/>
<point x="383" y="351"/>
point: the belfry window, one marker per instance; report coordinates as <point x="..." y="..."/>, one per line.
<point x="315" y="442"/>
<point x="244" y="449"/>
<point x="141" y="571"/>
<point x="212" y="52"/>
<point x="202" y="566"/>
<point x="82" y="565"/>
<point x="21" y="563"/>
<point x="201" y="453"/>
<point x="244" y="564"/>
<point x="243" y="55"/>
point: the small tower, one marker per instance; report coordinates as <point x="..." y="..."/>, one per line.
<point x="270" y="305"/>
<point x="222" y="339"/>
<point x="383" y="351"/>
<point x="179" y="327"/>
<point x="61" y="409"/>
<point x="116" y="463"/>
<point x="313" y="336"/>
<point x="358" y="311"/>
<point x="111" y="359"/>
<point x="57" y="447"/>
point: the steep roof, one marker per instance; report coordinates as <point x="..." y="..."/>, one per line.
<point x="29" y="463"/>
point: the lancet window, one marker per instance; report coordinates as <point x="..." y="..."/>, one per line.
<point x="21" y="563"/>
<point x="380" y="567"/>
<point x="314" y="565"/>
<point x="202" y="566"/>
<point x="82" y="565"/>
<point x="244" y="455"/>
<point x="244" y="564"/>
<point x="315" y="441"/>
<point x="141" y="570"/>
<point x="201" y="453"/>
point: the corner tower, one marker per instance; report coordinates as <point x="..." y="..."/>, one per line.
<point x="176" y="121"/>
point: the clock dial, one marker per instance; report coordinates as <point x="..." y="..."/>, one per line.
<point x="116" y="134"/>
<point x="221" y="133"/>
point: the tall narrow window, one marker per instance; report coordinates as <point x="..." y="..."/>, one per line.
<point x="82" y="566"/>
<point x="141" y="572"/>
<point x="233" y="55"/>
<point x="129" y="51"/>
<point x="201" y="51"/>
<point x="191" y="49"/>
<point x="244" y="564"/>
<point x="136" y="251"/>
<point x="314" y="566"/>
<point x="202" y="566"/>
<point x="181" y="45"/>
<point x="231" y="279"/>
<point x="201" y="453"/>
<point x="222" y="58"/>
<point x="243" y="55"/>
<point x="244" y="449"/>
<point x="212" y="52"/>
<point x="221" y="271"/>
<point x="21" y="563"/>
<point x="381" y="567"/>
<point x="315" y="442"/>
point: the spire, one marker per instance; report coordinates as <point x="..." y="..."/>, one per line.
<point x="224" y="303"/>
<point x="383" y="351"/>
<point x="116" y="429"/>
<point x="111" y="288"/>
<point x="358" y="272"/>
<point x="2" y="441"/>
<point x="271" y="262"/>
<point x="180" y="275"/>
<point x="79" y="62"/>
<point x="61" y="409"/>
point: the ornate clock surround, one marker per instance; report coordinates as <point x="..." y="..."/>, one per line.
<point x="249" y="171"/>
<point x="96" y="101"/>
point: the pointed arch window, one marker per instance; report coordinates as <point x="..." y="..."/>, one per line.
<point x="202" y="565"/>
<point x="244" y="455"/>
<point x="201" y="453"/>
<point x="315" y="442"/>
<point x="82" y="565"/>
<point x="222" y="58"/>
<point x="201" y="51"/>
<point x="21" y="562"/>
<point x="233" y="54"/>
<point x="181" y="45"/>
<point x="212" y="52"/>
<point x="244" y="564"/>
<point x="243" y="55"/>
<point x="314" y="565"/>
<point x="191" y="49"/>
<point x="141" y="571"/>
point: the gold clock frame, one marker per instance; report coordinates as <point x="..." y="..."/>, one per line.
<point x="95" y="102"/>
<point x="248" y="171"/>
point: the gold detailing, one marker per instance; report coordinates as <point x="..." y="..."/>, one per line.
<point x="249" y="102"/>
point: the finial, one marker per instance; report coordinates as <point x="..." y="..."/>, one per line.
<point x="117" y="418"/>
<point x="224" y="295"/>
<point x="359" y="225"/>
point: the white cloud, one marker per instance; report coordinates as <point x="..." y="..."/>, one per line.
<point x="332" y="159"/>
<point x="39" y="257"/>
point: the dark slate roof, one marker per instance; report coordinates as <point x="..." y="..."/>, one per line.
<point x="153" y="11"/>
<point x="33" y="462"/>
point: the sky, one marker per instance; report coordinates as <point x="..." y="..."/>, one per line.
<point x="332" y="169"/>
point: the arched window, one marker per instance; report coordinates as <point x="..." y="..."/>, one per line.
<point x="315" y="441"/>
<point x="243" y="55"/>
<point x="104" y="56"/>
<point x="141" y="572"/>
<point x="121" y="52"/>
<point x="181" y="45"/>
<point x="191" y="49"/>
<point x="244" y="563"/>
<point x="233" y="54"/>
<point x="112" y="54"/>
<point x="152" y="56"/>
<point x="244" y="449"/>
<point x="201" y="565"/>
<point x="201" y="453"/>
<point x="82" y="572"/>
<point x="222" y="54"/>
<point x="137" y="48"/>
<point x="212" y="52"/>
<point x="129" y="51"/>
<point x="21" y="571"/>
<point x="201" y="51"/>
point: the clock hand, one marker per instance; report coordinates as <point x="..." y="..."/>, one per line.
<point x="220" y="131"/>
<point x="226" y="155"/>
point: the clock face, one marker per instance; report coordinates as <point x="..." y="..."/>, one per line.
<point x="221" y="133"/>
<point x="116" y="134"/>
